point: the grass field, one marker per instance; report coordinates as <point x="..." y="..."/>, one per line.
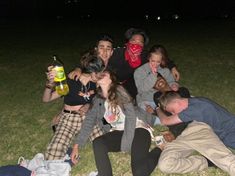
<point x="204" y="52"/>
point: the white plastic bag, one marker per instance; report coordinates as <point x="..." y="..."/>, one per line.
<point x="41" y="167"/>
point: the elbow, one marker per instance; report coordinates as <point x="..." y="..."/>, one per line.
<point x="45" y="100"/>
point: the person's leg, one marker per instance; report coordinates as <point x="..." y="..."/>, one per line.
<point x="177" y="155"/>
<point x="214" y="149"/>
<point x="109" y="142"/>
<point x="68" y="126"/>
<point x="143" y="162"/>
<point x="200" y="137"/>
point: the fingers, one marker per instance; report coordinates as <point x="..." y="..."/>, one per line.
<point x="75" y="155"/>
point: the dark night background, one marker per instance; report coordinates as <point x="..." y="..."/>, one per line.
<point x="92" y="9"/>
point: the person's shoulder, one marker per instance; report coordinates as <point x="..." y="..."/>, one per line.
<point x="164" y="69"/>
<point x="142" y="68"/>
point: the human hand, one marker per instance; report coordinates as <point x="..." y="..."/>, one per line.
<point x="149" y="109"/>
<point x="51" y="73"/>
<point x="75" y="155"/>
<point x="75" y="74"/>
<point x="175" y="73"/>
<point x="168" y="136"/>
<point x="153" y="68"/>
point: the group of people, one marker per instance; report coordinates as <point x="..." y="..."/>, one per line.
<point x="129" y="89"/>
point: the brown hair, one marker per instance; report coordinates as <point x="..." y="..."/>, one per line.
<point x="160" y="49"/>
<point x="117" y="95"/>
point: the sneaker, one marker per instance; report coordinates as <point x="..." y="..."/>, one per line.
<point x="93" y="173"/>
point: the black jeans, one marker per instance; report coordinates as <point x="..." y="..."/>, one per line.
<point x="143" y="162"/>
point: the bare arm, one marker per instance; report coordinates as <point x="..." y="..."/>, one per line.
<point x="167" y="120"/>
<point x="75" y="74"/>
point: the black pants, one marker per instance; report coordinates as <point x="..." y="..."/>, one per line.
<point x="143" y="162"/>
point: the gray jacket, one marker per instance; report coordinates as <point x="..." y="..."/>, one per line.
<point x="95" y="115"/>
<point x="145" y="80"/>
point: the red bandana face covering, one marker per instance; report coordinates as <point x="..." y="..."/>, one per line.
<point x="132" y="54"/>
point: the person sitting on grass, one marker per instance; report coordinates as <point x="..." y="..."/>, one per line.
<point x="146" y="76"/>
<point x="114" y="112"/>
<point x="125" y="60"/>
<point x="76" y="103"/>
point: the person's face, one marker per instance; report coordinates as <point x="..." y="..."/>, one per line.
<point x="137" y="39"/>
<point x="104" y="79"/>
<point x="160" y="83"/>
<point x="155" y="60"/>
<point x="104" y="50"/>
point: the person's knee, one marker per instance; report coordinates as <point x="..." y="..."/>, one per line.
<point x="166" y="165"/>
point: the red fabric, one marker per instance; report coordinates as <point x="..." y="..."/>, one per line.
<point x="132" y="54"/>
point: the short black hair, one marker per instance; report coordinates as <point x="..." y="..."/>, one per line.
<point x="104" y="37"/>
<point x="133" y="31"/>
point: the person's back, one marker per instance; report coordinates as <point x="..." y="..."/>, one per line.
<point x="206" y="110"/>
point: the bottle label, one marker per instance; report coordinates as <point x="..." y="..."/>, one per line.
<point x="60" y="75"/>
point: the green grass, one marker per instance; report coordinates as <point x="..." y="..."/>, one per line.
<point x="203" y="51"/>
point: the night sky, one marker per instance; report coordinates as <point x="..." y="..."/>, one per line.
<point x="119" y="8"/>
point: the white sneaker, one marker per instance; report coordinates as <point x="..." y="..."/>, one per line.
<point x="93" y="173"/>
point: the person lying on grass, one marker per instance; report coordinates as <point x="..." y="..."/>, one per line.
<point x="214" y="132"/>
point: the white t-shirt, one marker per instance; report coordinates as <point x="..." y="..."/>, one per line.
<point x="115" y="117"/>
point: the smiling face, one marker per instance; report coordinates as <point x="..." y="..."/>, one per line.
<point x="155" y="59"/>
<point x="161" y="84"/>
<point x="104" y="50"/>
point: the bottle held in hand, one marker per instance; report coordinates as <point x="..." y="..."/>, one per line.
<point x="60" y="77"/>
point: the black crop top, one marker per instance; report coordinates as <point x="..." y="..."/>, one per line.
<point x="73" y="98"/>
